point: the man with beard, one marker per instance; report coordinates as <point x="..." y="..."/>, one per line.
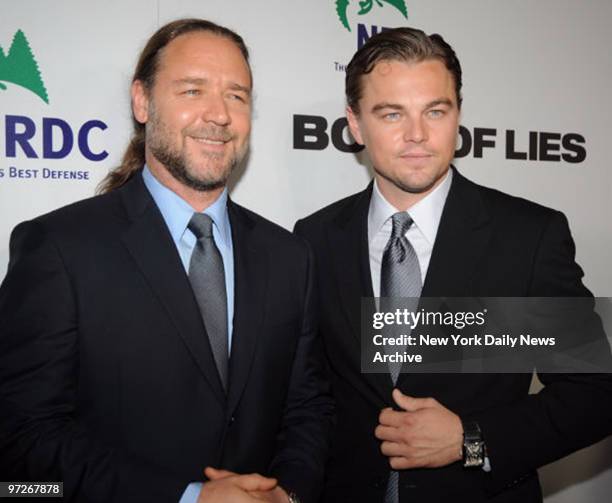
<point x="159" y="329"/>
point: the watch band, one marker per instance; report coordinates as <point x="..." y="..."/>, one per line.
<point x="473" y="445"/>
<point x="293" y="498"/>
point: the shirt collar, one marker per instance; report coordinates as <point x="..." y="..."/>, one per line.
<point x="177" y="212"/>
<point x="426" y="214"/>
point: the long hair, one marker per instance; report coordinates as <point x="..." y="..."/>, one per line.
<point x="146" y="70"/>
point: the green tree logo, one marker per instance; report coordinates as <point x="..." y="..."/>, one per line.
<point x="20" y="67"/>
<point x="365" y="7"/>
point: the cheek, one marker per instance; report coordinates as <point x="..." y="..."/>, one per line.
<point x="178" y="114"/>
<point x="385" y="140"/>
<point x="446" y="137"/>
<point x="241" y="124"/>
<point x="174" y="124"/>
<point x="184" y="117"/>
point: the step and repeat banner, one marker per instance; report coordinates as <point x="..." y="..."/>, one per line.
<point x="536" y="115"/>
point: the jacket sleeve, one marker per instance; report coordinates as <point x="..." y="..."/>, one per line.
<point x="41" y="435"/>
<point x="304" y="438"/>
<point x="572" y="411"/>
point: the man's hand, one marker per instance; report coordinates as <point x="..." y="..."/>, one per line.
<point x="276" y="495"/>
<point x="425" y="434"/>
<point x="260" y="488"/>
<point x="225" y="486"/>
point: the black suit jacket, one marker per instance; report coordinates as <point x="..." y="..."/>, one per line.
<point x="488" y="244"/>
<point x="107" y="380"/>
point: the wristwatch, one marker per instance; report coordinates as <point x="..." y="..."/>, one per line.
<point x="293" y="498"/>
<point x="473" y="445"/>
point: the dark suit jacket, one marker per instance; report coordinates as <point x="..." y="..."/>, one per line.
<point x="488" y="244"/>
<point x="107" y="380"/>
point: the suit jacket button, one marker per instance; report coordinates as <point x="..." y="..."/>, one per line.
<point x="231" y="420"/>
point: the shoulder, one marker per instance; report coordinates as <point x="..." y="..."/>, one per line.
<point x="84" y="228"/>
<point x="509" y="210"/>
<point x="336" y="209"/>
<point x="503" y="203"/>
<point x="86" y="212"/>
<point x="263" y="233"/>
<point x="76" y="220"/>
<point x="337" y="213"/>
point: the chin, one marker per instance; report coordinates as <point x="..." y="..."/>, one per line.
<point x="423" y="183"/>
<point x="415" y="189"/>
<point x="416" y="185"/>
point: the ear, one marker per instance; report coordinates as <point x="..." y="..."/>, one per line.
<point x="353" y="122"/>
<point x="140" y="102"/>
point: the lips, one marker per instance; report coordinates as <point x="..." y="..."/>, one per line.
<point x="416" y="155"/>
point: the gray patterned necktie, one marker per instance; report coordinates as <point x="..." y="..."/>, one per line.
<point x="207" y="277"/>
<point x="400" y="272"/>
<point x="400" y="277"/>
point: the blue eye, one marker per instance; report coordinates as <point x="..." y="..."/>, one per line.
<point x="192" y="92"/>
<point x="392" y="116"/>
<point x="434" y="114"/>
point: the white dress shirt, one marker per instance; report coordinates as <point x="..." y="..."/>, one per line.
<point x="426" y="215"/>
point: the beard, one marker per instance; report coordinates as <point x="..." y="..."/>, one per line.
<point x="181" y="165"/>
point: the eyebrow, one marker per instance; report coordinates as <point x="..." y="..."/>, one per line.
<point x="238" y="87"/>
<point x="386" y="106"/>
<point x="438" y="102"/>
<point x="394" y="106"/>
<point x="198" y="81"/>
<point x="191" y="80"/>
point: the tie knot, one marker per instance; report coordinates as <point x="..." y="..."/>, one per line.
<point x="201" y="225"/>
<point x="401" y="223"/>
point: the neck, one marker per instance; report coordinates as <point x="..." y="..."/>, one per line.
<point x="198" y="200"/>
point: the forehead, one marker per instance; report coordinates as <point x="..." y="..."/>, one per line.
<point x="397" y="80"/>
<point x="206" y="55"/>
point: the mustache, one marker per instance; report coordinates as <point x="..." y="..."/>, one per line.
<point x="210" y="132"/>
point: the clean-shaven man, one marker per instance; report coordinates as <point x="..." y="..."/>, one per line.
<point x="422" y="229"/>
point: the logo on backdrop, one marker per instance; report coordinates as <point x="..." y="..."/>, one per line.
<point x="19" y="67"/>
<point x="312" y="132"/>
<point x="365" y="7"/>
<point x="365" y="31"/>
<point x="33" y="136"/>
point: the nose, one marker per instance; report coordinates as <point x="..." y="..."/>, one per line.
<point x="216" y="110"/>
<point x="415" y="130"/>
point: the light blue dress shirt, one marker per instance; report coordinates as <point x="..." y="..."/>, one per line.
<point x="177" y="213"/>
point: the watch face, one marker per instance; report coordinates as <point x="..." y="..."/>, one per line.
<point x="474" y="448"/>
<point x="474" y="455"/>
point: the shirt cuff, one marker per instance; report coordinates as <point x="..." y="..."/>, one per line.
<point x="487" y="464"/>
<point x="191" y="493"/>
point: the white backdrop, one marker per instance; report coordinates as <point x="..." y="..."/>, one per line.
<point x="529" y="67"/>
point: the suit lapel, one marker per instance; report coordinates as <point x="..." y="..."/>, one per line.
<point x="250" y="283"/>
<point x="348" y="241"/>
<point x="462" y="238"/>
<point x="150" y="245"/>
<point x="461" y="241"/>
